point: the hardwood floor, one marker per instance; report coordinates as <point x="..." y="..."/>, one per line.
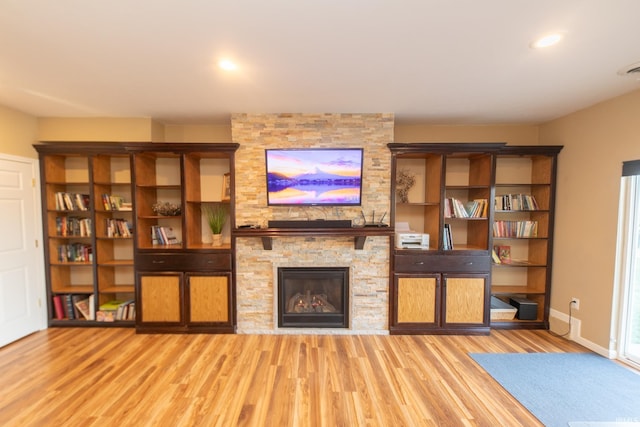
<point x="113" y="377"/>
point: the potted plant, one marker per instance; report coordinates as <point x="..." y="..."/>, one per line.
<point x="216" y="218"/>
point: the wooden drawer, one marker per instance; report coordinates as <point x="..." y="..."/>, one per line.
<point x="441" y="263"/>
<point x="184" y="262"/>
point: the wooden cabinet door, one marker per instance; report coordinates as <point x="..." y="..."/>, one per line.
<point x="160" y="298"/>
<point x="465" y="299"/>
<point x="208" y="298"/>
<point x="416" y="299"/>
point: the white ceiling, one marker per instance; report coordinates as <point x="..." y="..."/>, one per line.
<point x="433" y="61"/>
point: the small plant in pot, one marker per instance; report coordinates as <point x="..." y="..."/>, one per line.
<point x="216" y="218"/>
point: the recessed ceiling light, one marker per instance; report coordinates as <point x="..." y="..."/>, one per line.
<point x="546" y="41"/>
<point x="227" y="64"/>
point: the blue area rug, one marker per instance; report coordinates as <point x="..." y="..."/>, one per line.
<point x="563" y="388"/>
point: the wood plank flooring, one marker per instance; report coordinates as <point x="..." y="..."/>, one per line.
<point x="113" y="377"/>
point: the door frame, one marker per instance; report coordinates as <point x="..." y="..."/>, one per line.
<point x="627" y="248"/>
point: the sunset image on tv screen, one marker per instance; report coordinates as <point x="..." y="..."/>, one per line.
<point x="314" y="176"/>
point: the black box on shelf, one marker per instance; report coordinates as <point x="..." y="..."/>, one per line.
<point x="527" y="309"/>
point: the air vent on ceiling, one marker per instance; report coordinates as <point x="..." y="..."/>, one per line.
<point x="630" y="70"/>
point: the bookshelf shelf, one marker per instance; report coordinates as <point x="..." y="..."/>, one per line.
<point x="515" y="264"/>
<point x="516" y="290"/>
<point x="119" y="289"/>
<point x="75" y="289"/>
<point x="115" y="263"/>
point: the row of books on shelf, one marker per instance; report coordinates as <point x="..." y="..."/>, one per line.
<point x="115" y="203"/>
<point x="515" y="202"/>
<point x="455" y="208"/>
<point x="118" y="227"/>
<point x="74" y="306"/>
<point x="163" y="236"/>
<point x="72" y="201"/>
<point x="73" y="226"/>
<point x="75" y="252"/>
<point x="82" y="307"/>
<point x="116" y="310"/>
<point x="516" y="229"/>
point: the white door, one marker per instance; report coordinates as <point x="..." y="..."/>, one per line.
<point x="22" y="308"/>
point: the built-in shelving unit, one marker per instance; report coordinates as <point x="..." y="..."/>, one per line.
<point x="515" y="187"/>
<point x="103" y="229"/>
<point x="184" y="283"/>
<point x="89" y="245"/>
<point x="443" y="287"/>
<point x="126" y="235"/>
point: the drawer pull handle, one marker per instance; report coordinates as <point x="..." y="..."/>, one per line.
<point x="419" y="263"/>
<point x="468" y="263"/>
<point x="157" y="261"/>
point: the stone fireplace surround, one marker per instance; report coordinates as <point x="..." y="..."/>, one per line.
<point x="256" y="268"/>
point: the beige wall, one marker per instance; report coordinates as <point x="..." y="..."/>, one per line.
<point x="596" y="142"/>
<point x="511" y="134"/>
<point x="97" y="129"/>
<point x="197" y="133"/>
<point x="18" y="132"/>
<point x="128" y="130"/>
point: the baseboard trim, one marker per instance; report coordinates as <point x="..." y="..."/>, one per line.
<point x="575" y="334"/>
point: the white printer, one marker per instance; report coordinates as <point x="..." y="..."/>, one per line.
<point x="412" y="241"/>
<point x="407" y="239"/>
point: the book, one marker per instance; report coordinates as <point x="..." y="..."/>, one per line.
<point x="83" y="307"/>
<point x="57" y="307"/>
<point x="123" y="310"/>
<point x="171" y="236"/>
<point x="69" y="308"/>
<point x="107" y="311"/>
<point x="154" y="235"/>
<point x="92" y="307"/>
<point x="494" y="257"/>
<point x="448" y="238"/>
<point x="110" y="305"/>
<point x="515" y="202"/>
<point x="504" y="253"/>
<point x="105" y="316"/>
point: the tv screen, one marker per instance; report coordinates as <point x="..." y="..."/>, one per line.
<point x="314" y="176"/>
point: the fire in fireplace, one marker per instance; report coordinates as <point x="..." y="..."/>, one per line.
<point x="313" y="297"/>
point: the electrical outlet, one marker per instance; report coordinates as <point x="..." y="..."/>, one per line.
<point x="576" y="303"/>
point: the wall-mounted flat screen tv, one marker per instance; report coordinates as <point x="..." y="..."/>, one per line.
<point x="314" y="176"/>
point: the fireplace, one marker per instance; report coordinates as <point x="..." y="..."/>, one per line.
<point x="313" y="297"/>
